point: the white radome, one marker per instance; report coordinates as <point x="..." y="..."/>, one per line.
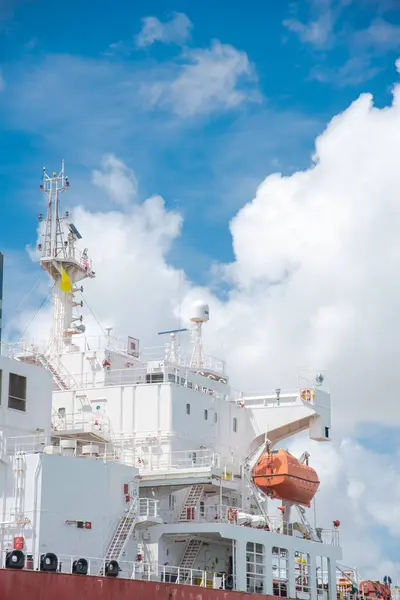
<point x="200" y="312"/>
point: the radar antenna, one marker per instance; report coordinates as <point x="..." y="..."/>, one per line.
<point x="172" y="349"/>
<point x="65" y="264"/>
<point x="200" y="315"/>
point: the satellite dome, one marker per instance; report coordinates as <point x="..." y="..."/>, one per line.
<point x="200" y="312"/>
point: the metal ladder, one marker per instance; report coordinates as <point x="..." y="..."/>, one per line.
<point x="188" y="560"/>
<point x="19" y="489"/>
<point x="61" y="375"/>
<point x="122" y="533"/>
<point x="192" y="500"/>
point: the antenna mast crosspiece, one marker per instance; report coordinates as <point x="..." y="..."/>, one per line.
<point x="62" y="260"/>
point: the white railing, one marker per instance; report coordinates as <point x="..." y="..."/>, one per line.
<point x="217" y="513"/>
<point x="159" y="353"/>
<point x="210" y="363"/>
<point x="166" y="461"/>
<point x="286" y="398"/>
<point x="146" y="376"/>
<point x="148" y="508"/>
<point x="136" y="571"/>
<point x="87" y="421"/>
<point x="25" y="348"/>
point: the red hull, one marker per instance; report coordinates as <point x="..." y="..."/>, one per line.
<point x="35" y="585"/>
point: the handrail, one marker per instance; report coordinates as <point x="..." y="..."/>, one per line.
<point x="136" y="570"/>
<point x="194" y="458"/>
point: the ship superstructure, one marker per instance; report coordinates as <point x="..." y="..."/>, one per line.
<point x="146" y="464"/>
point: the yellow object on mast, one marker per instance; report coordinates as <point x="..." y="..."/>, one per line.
<point x="65" y="284"/>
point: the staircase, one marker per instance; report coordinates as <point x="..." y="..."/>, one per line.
<point x="61" y="376"/>
<point x="19" y="486"/>
<point x="122" y="533"/>
<point x="192" y="500"/>
<point x="189" y="557"/>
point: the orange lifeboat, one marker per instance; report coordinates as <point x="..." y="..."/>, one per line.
<point x="281" y="476"/>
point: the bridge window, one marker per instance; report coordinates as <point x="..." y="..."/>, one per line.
<point x="17" y="392"/>
<point x="206" y="414"/>
<point x="280" y="570"/>
<point x="188" y="409"/>
<point x="322" y="573"/>
<point x="234" y="424"/>
<point x="302" y="573"/>
<point x="255" y="570"/>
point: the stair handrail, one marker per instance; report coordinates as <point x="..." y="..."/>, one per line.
<point x="54" y="361"/>
<point x="131" y="513"/>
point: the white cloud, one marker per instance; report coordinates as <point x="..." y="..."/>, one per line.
<point x="397" y="64"/>
<point x="117" y="179"/>
<point x="380" y="34"/>
<point x="354" y="71"/>
<point x="210" y="79"/>
<point x="318" y="30"/>
<point x="314" y="284"/>
<point x="352" y="493"/>
<point x="174" y="31"/>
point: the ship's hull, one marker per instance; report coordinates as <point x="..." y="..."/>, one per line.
<point x="37" y="585"/>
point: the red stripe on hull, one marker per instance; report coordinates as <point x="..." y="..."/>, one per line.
<point x="35" y="585"/>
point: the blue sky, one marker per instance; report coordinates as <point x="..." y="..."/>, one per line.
<point x="202" y="101"/>
<point x="78" y="83"/>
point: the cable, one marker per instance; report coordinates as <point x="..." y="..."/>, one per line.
<point x="27" y="295"/>
<point x="34" y="316"/>
<point x="94" y="317"/>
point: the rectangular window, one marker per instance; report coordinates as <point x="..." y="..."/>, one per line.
<point x="302" y="572"/>
<point x="255" y="573"/>
<point x="171" y="502"/>
<point x="188" y="409"/>
<point x="206" y="414"/>
<point x="280" y="570"/>
<point x="234" y="424"/>
<point x="215" y="418"/>
<point x="322" y="573"/>
<point x="17" y="392"/>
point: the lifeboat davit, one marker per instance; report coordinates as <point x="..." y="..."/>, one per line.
<point x="282" y="476"/>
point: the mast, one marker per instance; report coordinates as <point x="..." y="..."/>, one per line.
<point x="65" y="264"/>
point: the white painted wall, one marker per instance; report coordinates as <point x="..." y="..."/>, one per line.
<point x="38" y="400"/>
<point x="131" y="408"/>
<point x="61" y="488"/>
<point x="81" y="489"/>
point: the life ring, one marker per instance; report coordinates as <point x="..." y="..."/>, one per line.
<point x="241" y="404"/>
<point x="307" y="395"/>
